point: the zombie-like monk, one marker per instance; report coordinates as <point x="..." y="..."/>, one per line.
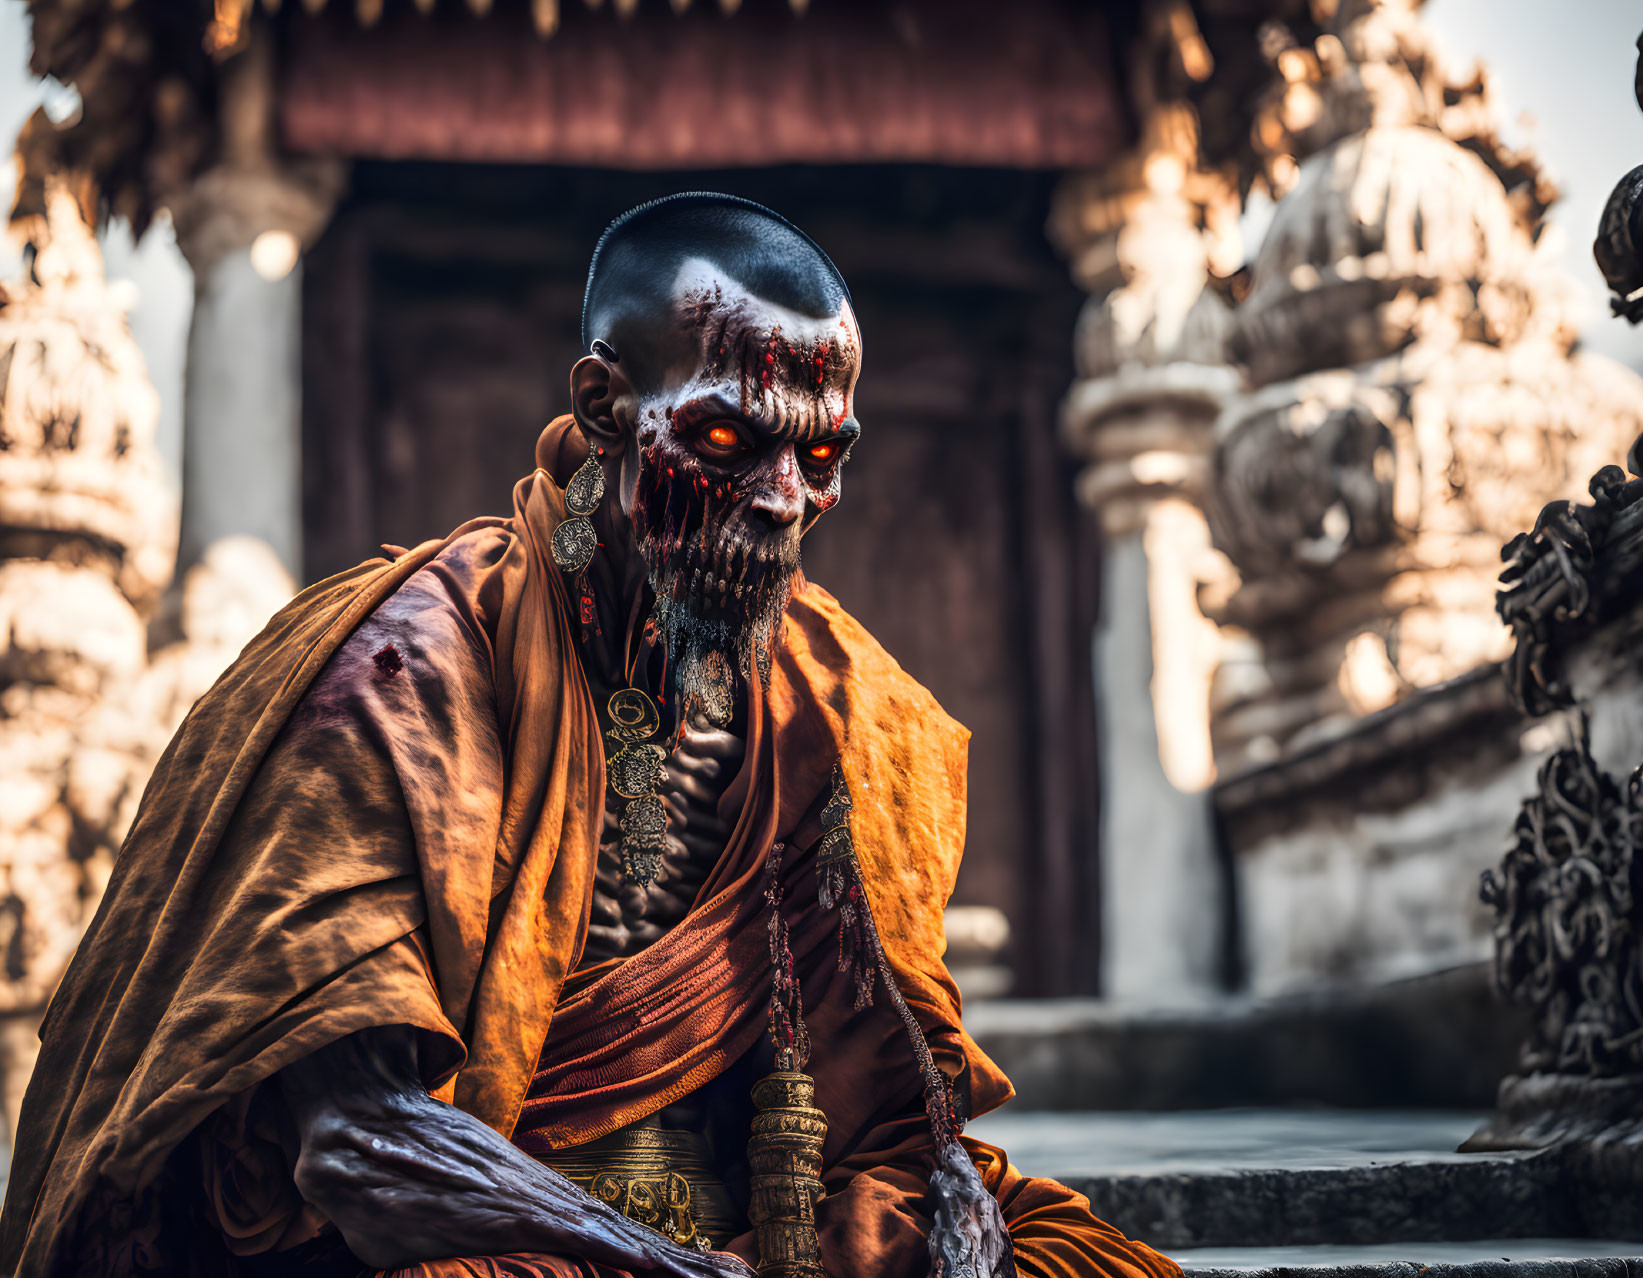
<point x="564" y="897"/>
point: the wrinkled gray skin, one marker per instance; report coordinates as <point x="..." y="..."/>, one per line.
<point x="407" y="1178"/>
<point x="968" y="1237"/>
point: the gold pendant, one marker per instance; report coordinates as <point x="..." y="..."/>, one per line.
<point x="635" y="769"/>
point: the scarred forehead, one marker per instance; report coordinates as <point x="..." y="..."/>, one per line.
<point x="785" y="372"/>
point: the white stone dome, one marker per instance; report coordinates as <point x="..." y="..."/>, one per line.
<point x="1391" y="235"/>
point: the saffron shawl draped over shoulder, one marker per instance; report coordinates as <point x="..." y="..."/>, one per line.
<point x="386" y="812"/>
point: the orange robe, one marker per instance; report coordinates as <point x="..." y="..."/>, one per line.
<point x="386" y="812"/>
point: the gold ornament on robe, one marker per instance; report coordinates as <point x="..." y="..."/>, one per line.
<point x="636" y="768"/>
<point x="662" y="1178"/>
<point x="785" y="1153"/>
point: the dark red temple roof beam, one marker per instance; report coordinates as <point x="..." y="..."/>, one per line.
<point x="1028" y="85"/>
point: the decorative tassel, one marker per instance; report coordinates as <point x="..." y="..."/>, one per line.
<point x="784" y="1149"/>
<point x="968" y="1237"/>
<point x="787" y="1027"/>
<point x="855" y="949"/>
<point x="838" y="885"/>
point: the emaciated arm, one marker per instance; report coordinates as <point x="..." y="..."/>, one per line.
<point x="407" y="1178"/>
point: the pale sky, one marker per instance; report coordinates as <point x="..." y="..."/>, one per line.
<point x="1563" y="69"/>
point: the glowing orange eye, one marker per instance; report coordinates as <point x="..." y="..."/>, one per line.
<point x="823" y="452"/>
<point x="723" y="437"/>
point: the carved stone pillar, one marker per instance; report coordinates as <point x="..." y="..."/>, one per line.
<point x="243" y="226"/>
<point x="1152" y="377"/>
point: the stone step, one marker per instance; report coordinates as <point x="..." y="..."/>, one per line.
<point x="1426" y="1200"/>
<point x="1441" y="1040"/>
<point x="1305" y="1178"/>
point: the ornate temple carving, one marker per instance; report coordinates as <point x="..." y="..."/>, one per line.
<point x="78" y="415"/>
<point x="1578" y="563"/>
<point x="1150" y="344"/>
<point x="1414" y="398"/>
<point x="91" y="533"/>
<point x="1567" y="918"/>
<point x="90" y="537"/>
<point x="1573" y="570"/>
<point x="1566" y="912"/>
<point x="1619" y="246"/>
<point x="1393" y="236"/>
<point x="1147" y="237"/>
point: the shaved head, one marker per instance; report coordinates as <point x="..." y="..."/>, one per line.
<point x="650" y="254"/>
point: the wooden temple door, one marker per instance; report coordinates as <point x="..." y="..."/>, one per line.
<point x="440" y="323"/>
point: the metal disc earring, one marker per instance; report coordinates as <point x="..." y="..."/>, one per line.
<point x="574" y="541"/>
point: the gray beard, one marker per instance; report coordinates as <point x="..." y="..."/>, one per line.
<point x="716" y="650"/>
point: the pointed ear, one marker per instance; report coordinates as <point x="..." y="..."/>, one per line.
<point x="595" y="386"/>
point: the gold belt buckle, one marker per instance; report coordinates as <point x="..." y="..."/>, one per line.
<point x="660" y="1202"/>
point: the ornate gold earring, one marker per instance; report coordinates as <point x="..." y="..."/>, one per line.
<point x="574" y="541"/>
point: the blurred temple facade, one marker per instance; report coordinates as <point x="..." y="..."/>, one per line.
<point x="1199" y="538"/>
